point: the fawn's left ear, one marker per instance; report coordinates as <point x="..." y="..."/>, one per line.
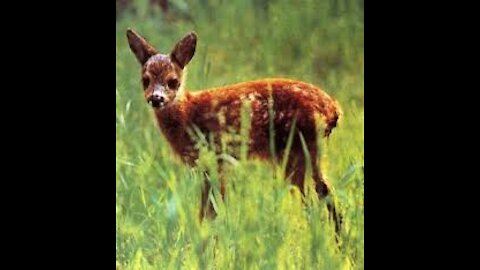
<point x="184" y="50"/>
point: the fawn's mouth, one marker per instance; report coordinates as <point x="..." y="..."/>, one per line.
<point x="156" y="104"/>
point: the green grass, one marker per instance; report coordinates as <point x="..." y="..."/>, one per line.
<point x="262" y="224"/>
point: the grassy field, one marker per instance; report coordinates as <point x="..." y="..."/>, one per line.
<point x="262" y="224"/>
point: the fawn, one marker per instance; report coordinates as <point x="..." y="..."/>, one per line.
<point x="214" y="111"/>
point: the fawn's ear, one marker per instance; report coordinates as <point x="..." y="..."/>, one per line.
<point x="184" y="50"/>
<point x="142" y="50"/>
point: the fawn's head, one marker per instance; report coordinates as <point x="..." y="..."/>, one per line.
<point x="162" y="73"/>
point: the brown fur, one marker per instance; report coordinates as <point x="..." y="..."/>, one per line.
<point x="217" y="110"/>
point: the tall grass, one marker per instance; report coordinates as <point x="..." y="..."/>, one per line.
<point x="263" y="223"/>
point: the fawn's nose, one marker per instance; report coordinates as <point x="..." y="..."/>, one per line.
<point x="158" y="97"/>
<point x="157" y="100"/>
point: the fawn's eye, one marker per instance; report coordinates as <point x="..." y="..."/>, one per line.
<point x="145" y="82"/>
<point x="172" y="83"/>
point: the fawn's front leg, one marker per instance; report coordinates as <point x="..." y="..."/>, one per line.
<point x="206" y="209"/>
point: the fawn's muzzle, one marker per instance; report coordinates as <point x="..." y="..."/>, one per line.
<point x="157" y="99"/>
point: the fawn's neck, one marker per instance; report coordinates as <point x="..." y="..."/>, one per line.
<point x="173" y="123"/>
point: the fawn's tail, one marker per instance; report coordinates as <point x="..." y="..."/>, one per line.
<point x="332" y="117"/>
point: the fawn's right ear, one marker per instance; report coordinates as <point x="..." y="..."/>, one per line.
<point x="142" y="50"/>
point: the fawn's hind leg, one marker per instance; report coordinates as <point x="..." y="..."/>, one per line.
<point x="323" y="189"/>
<point x="296" y="170"/>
